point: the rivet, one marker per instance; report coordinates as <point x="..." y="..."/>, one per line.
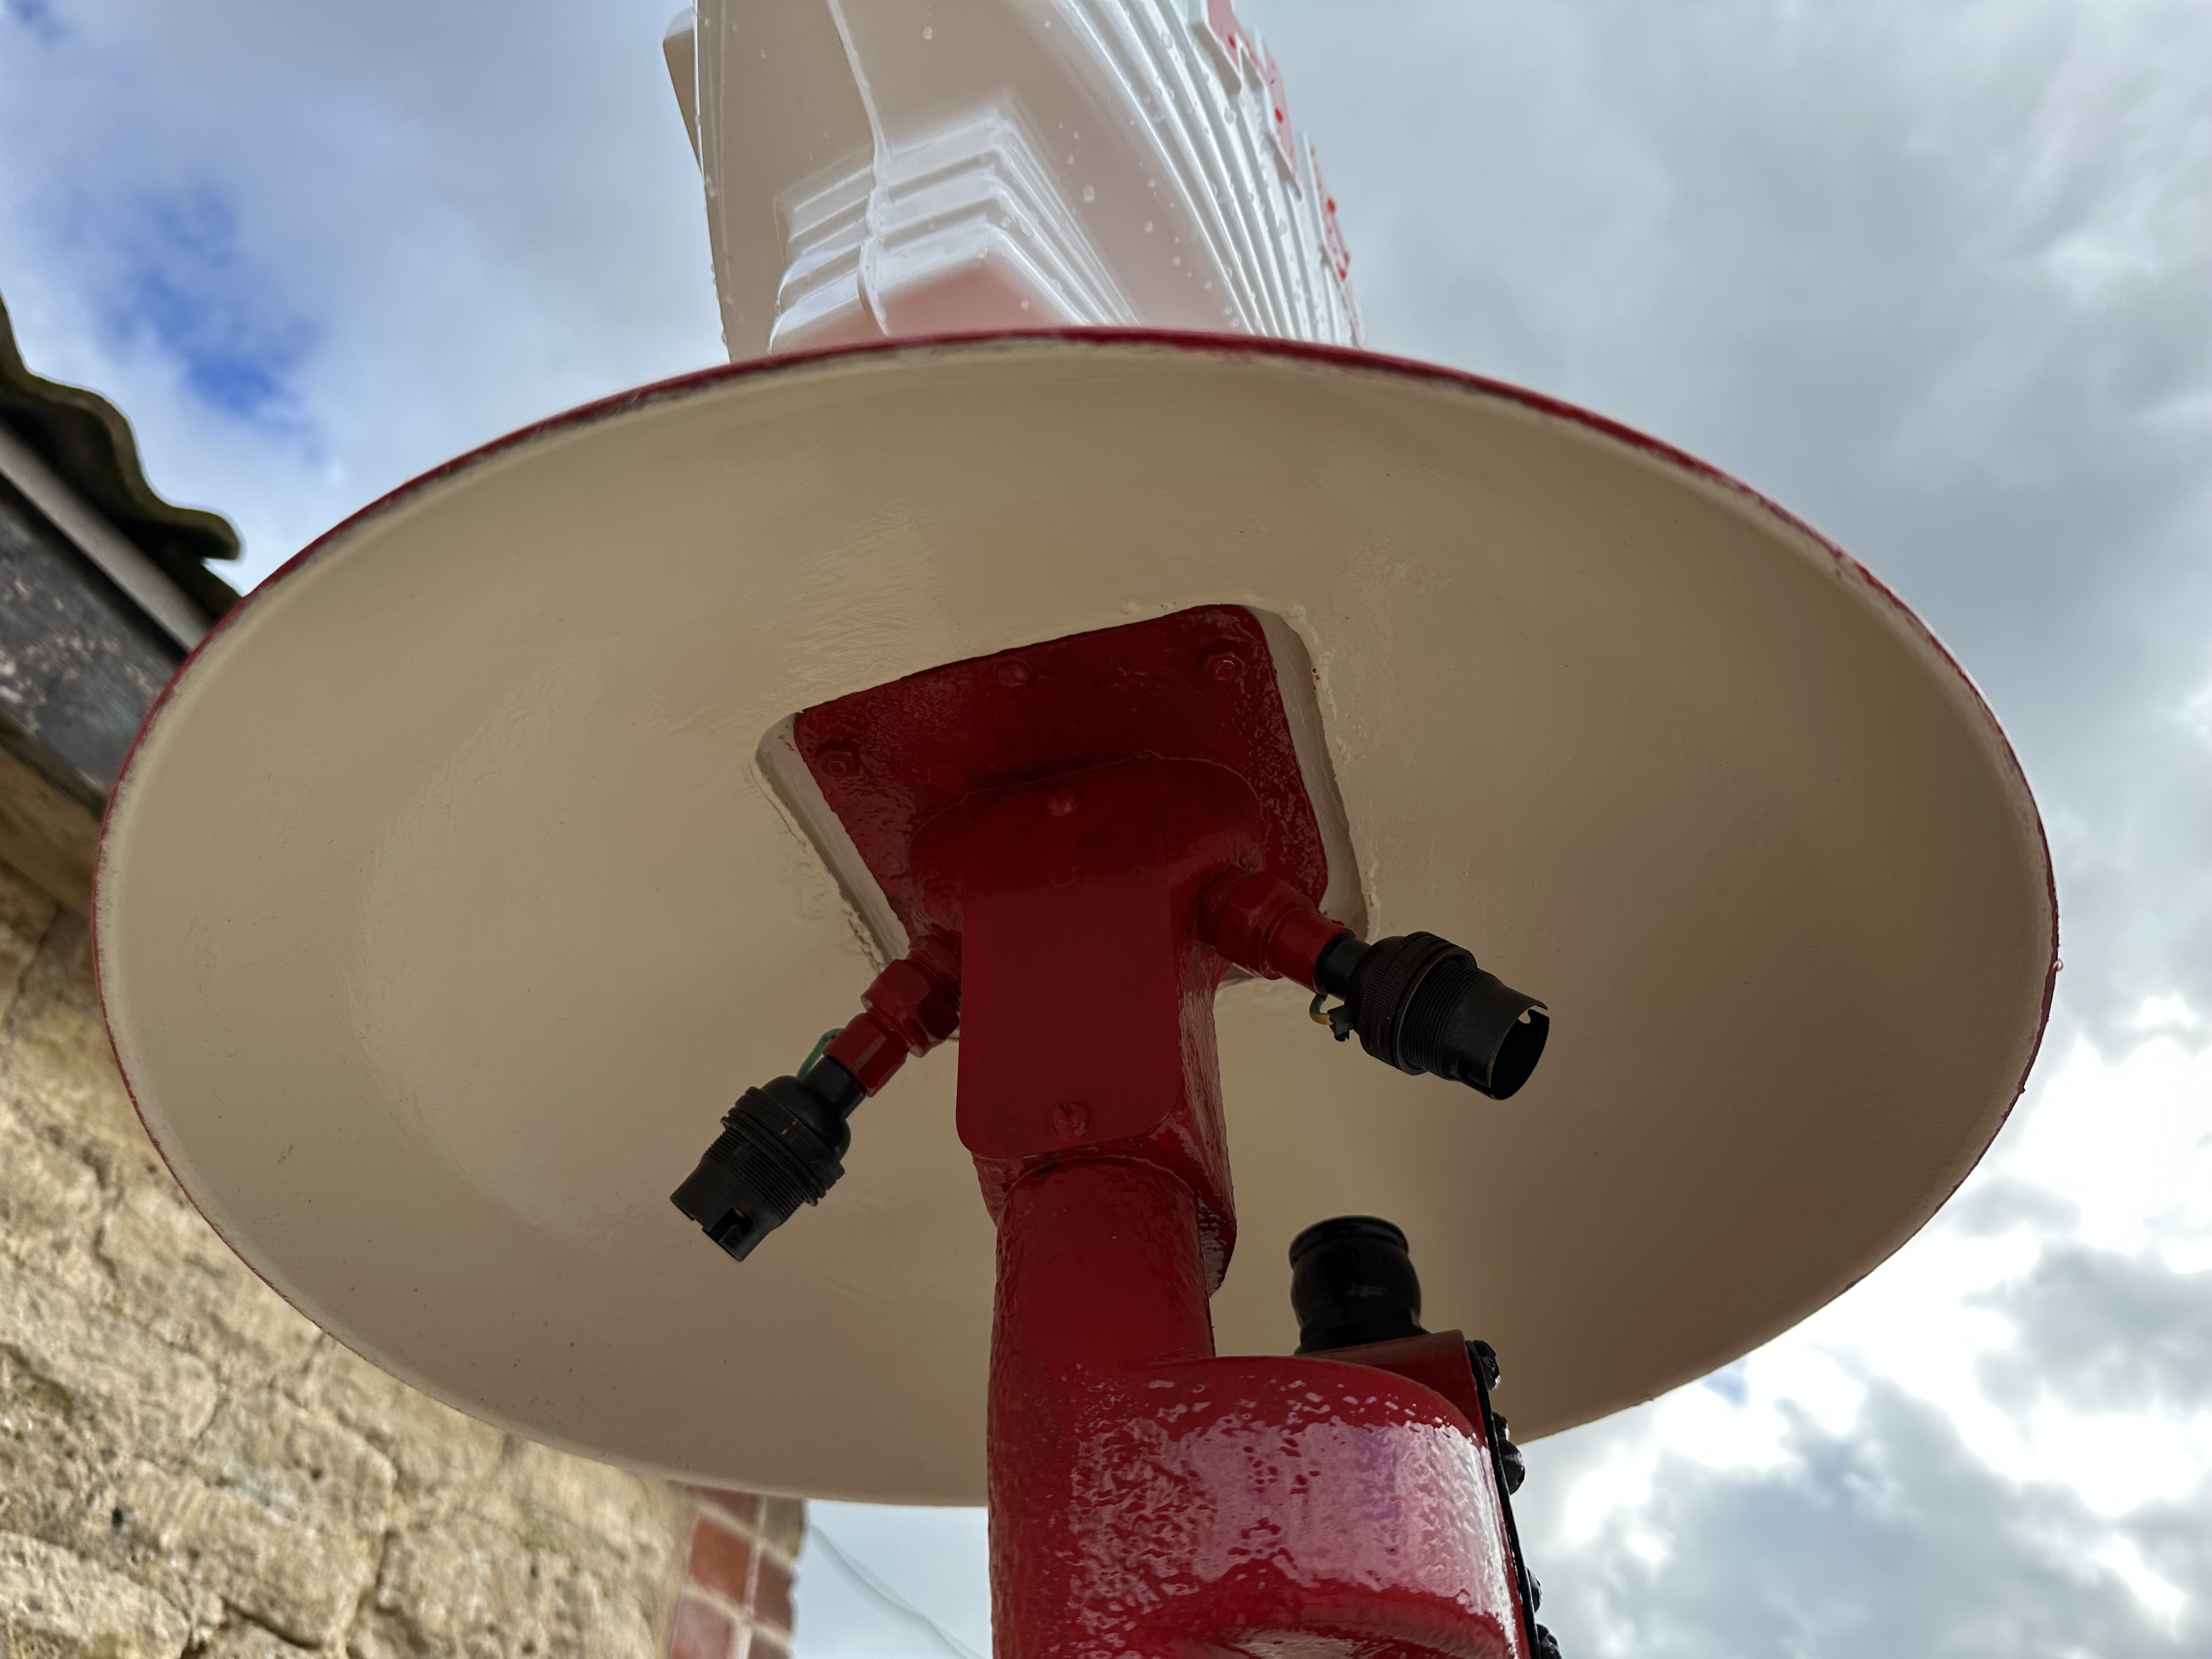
<point x="836" y="760"/>
<point x="1225" y="663"/>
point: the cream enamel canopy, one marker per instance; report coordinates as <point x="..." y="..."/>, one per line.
<point x="443" y="906"/>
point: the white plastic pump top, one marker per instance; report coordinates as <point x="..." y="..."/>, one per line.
<point x="879" y="167"/>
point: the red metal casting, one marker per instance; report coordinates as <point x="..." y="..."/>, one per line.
<point x="1086" y="995"/>
<point x="1088" y="832"/>
<point x="1197" y="685"/>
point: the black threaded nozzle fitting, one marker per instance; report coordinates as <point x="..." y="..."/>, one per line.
<point x="1421" y="1003"/>
<point x="1351" y="1283"/>
<point x="781" y="1146"/>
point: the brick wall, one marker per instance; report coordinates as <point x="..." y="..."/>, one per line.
<point x="735" y="1599"/>
<point x="188" y="1466"/>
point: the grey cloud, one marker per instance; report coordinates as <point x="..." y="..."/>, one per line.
<point x="1892" y="1539"/>
<point x="1991" y="1205"/>
<point x="2103" y="1331"/>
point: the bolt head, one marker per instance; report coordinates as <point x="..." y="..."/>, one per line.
<point x="1225" y="665"/>
<point x="836" y="760"/>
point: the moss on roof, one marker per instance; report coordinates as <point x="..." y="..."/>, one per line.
<point x="84" y="438"/>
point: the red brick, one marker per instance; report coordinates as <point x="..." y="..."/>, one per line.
<point x="772" y="1596"/>
<point x="743" y="1505"/>
<point x="721" y="1558"/>
<point x="700" y="1632"/>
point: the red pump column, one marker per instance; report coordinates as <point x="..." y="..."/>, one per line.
<point x="1148" y="1499"/>
<point x="1089" y="832"/>
<point x="1098" y="1277"/>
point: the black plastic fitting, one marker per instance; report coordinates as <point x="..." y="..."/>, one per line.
<point x="1352" y="1282"/>
<point x="781" y="1146"/>
<point x="1422" y="1003"/>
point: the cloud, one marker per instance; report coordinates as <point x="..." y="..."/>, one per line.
<point x="1888" y="1538"/>
<point x="2102" y="1333"/>
<point x="1999" y="1443"/>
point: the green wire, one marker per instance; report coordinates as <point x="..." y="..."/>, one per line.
<point x="827" y="1037"/>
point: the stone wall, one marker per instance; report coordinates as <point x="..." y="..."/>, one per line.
<point x="187" y="1467"/>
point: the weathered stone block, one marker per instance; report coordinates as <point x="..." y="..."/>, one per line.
<point x="56" y="1064"/>
<point x="78" y="1496"/>
<point x="301" y="1581"/>
<point x="176" y="1278"/>
<point x="296" y="1465"/>
<point x="44" y="1185"/>
<point x="620" y="1528"/>
<point x="87" y="1365"/>
<point x="783" y="1524"/>
<point x="469" y="1587"/>
<point x="53" y="1605"/>
<point x="49" y="1476"/>
<point x="25" y="916"/>
<point x="439" y="1455"/>
<point x="243" y="1641"/>
<point x="50" y="1205"/>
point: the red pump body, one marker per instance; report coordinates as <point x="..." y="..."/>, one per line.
<point x="1088" y="834"/>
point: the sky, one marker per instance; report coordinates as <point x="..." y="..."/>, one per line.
<point x="1935" y="274"/>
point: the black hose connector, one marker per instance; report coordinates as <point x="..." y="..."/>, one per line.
<point x="1353" y="1283"/>
<point x="781" y="1146"/>
<point x="1421" y="1003"/>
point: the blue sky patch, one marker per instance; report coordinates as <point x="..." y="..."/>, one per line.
<point x="36" y="15"/>
<point x="183" y="283"/>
